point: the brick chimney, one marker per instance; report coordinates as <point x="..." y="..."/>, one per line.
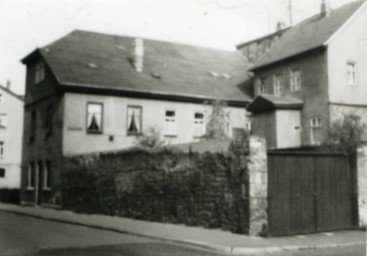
<point x="325" y="8"/>
<point x="139" y="54"/>
<point x="280" y="25"/>
<point x="8" y="84"/>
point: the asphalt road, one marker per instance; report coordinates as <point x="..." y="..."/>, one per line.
<point x="28" y="236"/>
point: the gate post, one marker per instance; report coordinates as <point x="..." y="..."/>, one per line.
<point x="258" y="186"/>
<point x="362" y="185"/>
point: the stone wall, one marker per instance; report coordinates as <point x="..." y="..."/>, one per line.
<point x="258" y="186"/>
<point x="362" y="185"/>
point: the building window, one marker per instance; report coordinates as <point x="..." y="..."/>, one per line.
<point x="47" y="176"/>
<point x="2" y="148"/>
<point x="3" y="121"/>
<point x="170" y="123"/>
<point x="134" y="120"/>
<point x="351" y="74"/>
<point x="32" y="132"/>
<point x="295" y="80"/>
<point x="31" y="176"/>
<point x="1" y="98"/>
<point x="2" y="172"/>
<point x="277" y="84"/>
<point x="40" y="72"/>
<point x="49" y="117"/>
<point x="262" y="88"/>
<point x="248" y="127"/>
<point x="199" y="124"/>
<point x="315" y="131"/>
<point x="94" y="118"/>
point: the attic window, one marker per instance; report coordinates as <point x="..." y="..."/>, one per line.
<point x="92" y="65"/>
<point x="226" y="76"/>
<point x="220" y="75"/>
<point x="40" y="72"/>
<point x="156" y="75"/>
<point x="214" y="74"/>
<point x="120" y="47"/>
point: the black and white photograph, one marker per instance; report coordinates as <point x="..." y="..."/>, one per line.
<point x="183" y="127"/>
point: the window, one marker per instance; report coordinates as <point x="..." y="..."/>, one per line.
<point x="31" y="176"/>
<point x="315" y="130"/>
<point x="134" y="120"/>
<point x="351" y="74"/>
<point x="40" y="72"/>
<point x="2" y="148"/>
<point x="248" y="127"/>
<point x="262" y="88"/>
<point x="1" y="98"/>
<point x="199" y="124"/>
<point x="94" y="118"/>
<point x="32" y="132"/>
<point x="47" y="176"/>
<point x="295" y="80"/>
<point x="3" y="120"/>
<point x="277" y="84"/>
<point x="49" y="117"/>
<point x="170" y="124"/>
<point x="2" y="172"/>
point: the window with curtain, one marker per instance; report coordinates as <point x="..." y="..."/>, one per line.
<point x="134" y="121"/>
<point x="94" y="118"/>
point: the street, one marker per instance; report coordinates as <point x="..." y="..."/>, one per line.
<point x="22" y="235"/>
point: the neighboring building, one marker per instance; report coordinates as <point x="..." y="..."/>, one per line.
<point x="11" y="128"/>
<point x="91" y="92"/>
<point x="310" y="76"/>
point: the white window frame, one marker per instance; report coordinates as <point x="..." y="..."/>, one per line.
<point x="138" y="120"/>
<point x="353" y="73"/>
<point x="2" y="148"/>
<point x="3" y="120"/>
<point x="277" y="84"/>
<point x="1" y="167"/>
<point x="315" y="123"/>
<point x="262" y="87"/>
<point x="40" y="72"/>
<point x="90" y="112"/>
<point x="296" y="85"/>
<point x="29" y="175"/>
<point x="45" y="183"/>
<point x="199" y="124"/>
<point x="170" y="123"/>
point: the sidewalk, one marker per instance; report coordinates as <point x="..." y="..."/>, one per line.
<point x="208" y="238"/>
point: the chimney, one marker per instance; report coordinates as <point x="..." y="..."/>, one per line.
<point x="8" y="84"/>
<point x="139" y="54"/>
<point x="280" y="25"/>
<point x="325" y="8"/>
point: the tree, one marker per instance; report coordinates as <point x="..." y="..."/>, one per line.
<point x="150" y="139"/>
<point x="218" y="124"/>
<point x="346" y="134"/>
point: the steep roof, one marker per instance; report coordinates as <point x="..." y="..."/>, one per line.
<point x="266" y="102"/>
<point x="19" y="97"/>
<point x="94" y="60"/>
<point x="307" y="35"/>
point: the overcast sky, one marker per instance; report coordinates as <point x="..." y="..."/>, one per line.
<point x="27" y="24"/>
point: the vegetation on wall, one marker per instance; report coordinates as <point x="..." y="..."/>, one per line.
<point x="151" y="138"/>
<point x="209" y="189"/>
<point x="346" y="134"/>
<point x="218" y="120"/>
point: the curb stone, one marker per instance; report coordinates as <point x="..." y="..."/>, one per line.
<point x="234" y="250"/>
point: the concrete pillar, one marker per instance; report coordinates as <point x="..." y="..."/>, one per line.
<point x="362" y="185"/>
<point x="258" y="186"/>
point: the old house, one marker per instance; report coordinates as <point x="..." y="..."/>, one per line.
<point x="11" y="127"/>
<point x="90" y="92"/>
<point x="310" y="76"/>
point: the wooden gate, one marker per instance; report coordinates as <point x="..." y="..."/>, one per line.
<point x="310" y="192"/>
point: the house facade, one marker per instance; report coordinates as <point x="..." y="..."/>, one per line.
<point x="11" y="127"/>
<point x="90" y="92"/>
<point x="310" y="77"/>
